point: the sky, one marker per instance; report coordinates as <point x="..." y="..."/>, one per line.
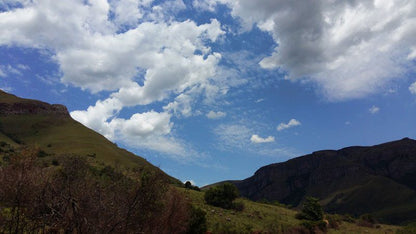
<point x="212" y="90"/>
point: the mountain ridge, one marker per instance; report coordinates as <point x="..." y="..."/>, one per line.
<point x="51" y="128"/>
<point x="353" y="180"/>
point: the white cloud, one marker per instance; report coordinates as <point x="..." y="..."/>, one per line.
<point x="216" y="115"/>
<point x="350" y="48"/>
<point x="139" y="54"/>
<point x="412" y="88"/>
<point x="291" y="123"/>
<point x="233" y="136"/>
<point x="129" y="12"/>
<point x="257" y="139"/>
<point x="149" y="130"/>
<point x="16" y="70"/>
<point x="374" y="109"/>
<point x="207" y="5"/>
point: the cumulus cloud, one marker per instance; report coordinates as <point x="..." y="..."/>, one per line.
<point x="412" y="88"/>
<point x="149" y="130"/>
<point x="129" y="48"/>
<point x="291" y="123"/>
<point x="257" y="139"/>
<point x="374" y="109"/>
<point x="350" y="48"/>
<point x="216" y="115"/>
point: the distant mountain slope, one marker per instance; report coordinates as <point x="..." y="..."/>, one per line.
<point x="379" y="179"/>
<point x="50" y="127"/>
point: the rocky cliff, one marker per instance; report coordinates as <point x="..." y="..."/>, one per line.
<point x="356" y="180"/>
<point x="11" y="105"/>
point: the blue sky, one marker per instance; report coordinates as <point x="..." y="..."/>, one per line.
<point x="212" y="90"/>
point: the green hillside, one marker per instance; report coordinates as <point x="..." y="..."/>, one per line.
<point x="267" y="218"/>
<point x="37" y="124"/>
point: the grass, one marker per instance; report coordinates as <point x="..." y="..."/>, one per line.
<point x="348" y="228"/>
<point x="254" y="217"/>
<point x="265" y="218"/>
<point x="60" y="136"/>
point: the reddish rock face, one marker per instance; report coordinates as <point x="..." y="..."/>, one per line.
<point x="33" y="107"/>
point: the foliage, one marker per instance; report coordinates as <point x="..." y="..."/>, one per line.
<point x="312" y="215"/>
<point x="315" y="226"/>
<point x="77" y="198"/>
<point x="197" y="221"/>
<point x="189" y="185"/>
<point x="367" y="220"/>
<point x="238" y="206"/>
<point x="311" y="210"/>
<point x="334" y="220"/>
<point x="222" y="195"/>
<point x="408" y="229"/>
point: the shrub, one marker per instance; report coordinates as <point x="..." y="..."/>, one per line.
<point x="222" y="195"/>
<point x="367" y="220"/>
<point x="311" y="210"/>
<point x="312" y="214"/>
<point x="77" y="198"/>
<point x="197" y="221"/>
<point x="189" y="185"/>
<point x="334" y="221"/>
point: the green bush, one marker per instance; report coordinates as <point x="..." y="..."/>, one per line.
<point x="311" y="210"/>
<point x="222" y="195"/>
<point x="189" y="185"/>
<point x="197" y="221"/>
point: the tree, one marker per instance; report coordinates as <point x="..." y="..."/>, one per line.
<point x="313" y="215"/>
<point x="189" y="185"/>
<point x="222" y="195"/>
<point x="311" y="210"/>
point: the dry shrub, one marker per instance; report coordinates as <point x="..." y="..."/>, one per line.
<point x="76" y="198"/>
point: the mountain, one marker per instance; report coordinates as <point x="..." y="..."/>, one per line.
<point x="51" y="128"/>
<point x="380" y="180"/>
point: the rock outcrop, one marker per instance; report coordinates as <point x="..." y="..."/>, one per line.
<point x="352" y="180"/>
<point x="32" y="107"/>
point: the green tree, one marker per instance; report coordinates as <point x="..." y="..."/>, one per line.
<point x="311" y="210"/>
<point x="222" y="195"/>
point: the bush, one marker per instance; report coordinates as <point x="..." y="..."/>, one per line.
<point x="222" y="195"/>
<point x="367" y="220"/>
<point x="313" y="215"/>
<point x="334" y="221"/>
<point x="315" y="226"/>
<point x="311" y="210"/>
<point x="197" y="221"/>
<point x="77" y="198"/>
<point x="189" y="185"/>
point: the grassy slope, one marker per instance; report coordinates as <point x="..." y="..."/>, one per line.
<point x="60" y="136"/>
<point x="264" y="217"/>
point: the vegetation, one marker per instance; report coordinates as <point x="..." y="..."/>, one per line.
<point x="222" y="195"/>
<point x="312" y="215"/>
<point x="76" y="197"/>
<point x="189" y="185"/>
<point x="408" y="229"/>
